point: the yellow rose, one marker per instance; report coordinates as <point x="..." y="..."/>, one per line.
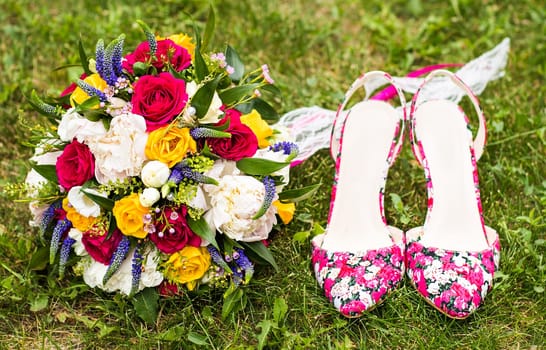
<point x="181" y="40"/>
<point x="258" y="126"/>
<point x="129" y="214"/>
<point x="188" y="266"/>
<point x="79" y="96"/>
<point x="169" y="144"/>
<point x="285" y="211"/>
<point x="78" y="221"/>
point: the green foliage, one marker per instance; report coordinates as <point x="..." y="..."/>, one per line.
<point x="316" y="49"/>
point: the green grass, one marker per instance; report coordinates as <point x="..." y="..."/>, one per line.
<point x="314" y="50"/>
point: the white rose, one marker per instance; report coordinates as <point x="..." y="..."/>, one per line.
<point x="82" y="203"/>
<point x="120" y="152"/>
<point x="73" y="125"/>
<point x="122" y="280"/>
<point x="149" y="196"/>
<point x="155" y="173"/>
<point x="78" y="246"/>
<point x="234" y="202"/>
<point x="214" y="112"/>
<point x="34" y="181"/>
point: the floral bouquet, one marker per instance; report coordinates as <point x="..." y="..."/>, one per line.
<point x="160" y="169"/>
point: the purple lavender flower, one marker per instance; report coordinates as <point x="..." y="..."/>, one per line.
<point x="288" y="148"/>
<point x="244" y="263"/>
<point x="116" y="56"/>
<point x="91" y="91"/>
<point x="99" y="58"/>
<point x="117" y="258"/>
<point x="48" y="216"/>
<point x="217" y="258"/>
<point x="136" y="270"/>
<point x="61" y="227"/>
<point x="202" y="132"/>
<point x="269" y="185"/>
<point x="181" y="171"/>
<point x="65" y="253"/>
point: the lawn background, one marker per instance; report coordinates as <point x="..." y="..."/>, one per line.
<point x="314" y="49"/>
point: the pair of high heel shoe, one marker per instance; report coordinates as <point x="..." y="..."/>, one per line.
<point x="451" y="259"/>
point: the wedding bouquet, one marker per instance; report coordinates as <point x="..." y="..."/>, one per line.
<point x="160" y="167"/>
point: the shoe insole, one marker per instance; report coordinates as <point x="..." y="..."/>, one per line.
<point x="355" y="221"/>
<point x="453" y="222"/>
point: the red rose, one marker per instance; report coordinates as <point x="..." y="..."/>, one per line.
<point x="75" y="165"/>
<point x="242" y="143"/>
<point x="174" y="234"/>
<point x="167" y="54"/>
<point x="168" y="289"/>
<point x="159" y="99"/>
<point x="100" y="248"/>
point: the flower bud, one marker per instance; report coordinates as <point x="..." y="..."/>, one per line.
<point x="155" y="173"/>
<point x="149" y="196"/>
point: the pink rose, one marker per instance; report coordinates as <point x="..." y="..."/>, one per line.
<point x="75" y="165"/>
<point x="167" y="54"/>
<point x="172" y="232"/>
<point x="159" y="99"/>
<point x="168" y="289"/>
<point x="242" y="143"/>
<point x="353" y="307"/>
<point x="100" y="248"/>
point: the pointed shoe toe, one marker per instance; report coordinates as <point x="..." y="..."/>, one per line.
<point x="357" y="282"/>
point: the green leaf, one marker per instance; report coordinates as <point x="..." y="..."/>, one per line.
<point x="301" y="236"/>
<point x="265" y="326"/>
<point x="272" y="89"/>
<point x="39" y="303"/>
<point x="202" y="229"/>
<point x="48" y="171"/>
<point x="299" y="194"/>
<point x="259" y="166"/>
<point x="201" y="69"/>
<point x="87" y="104"/>
<point x="261" y="250"/>
<point x="105" y="203"/>
<point x="94" y="115"/>
<point x="267" y="112"/>
<point x="203" y="97"/>
<point x="83" y="57"/>
<point x="233" y="301"/>
<point x="197" y="338"/>
<point x="43" y="108"/>
<point x="209" y="28"/>
<point x="233" y="59"/>
<point x="38" y="260"/>
<point x="146" y="305"/>
<point x="280" y="308"/>
<point x="233" y="95"/>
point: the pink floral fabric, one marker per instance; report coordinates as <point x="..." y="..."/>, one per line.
<point x="454" y="282"/>
<point x="355" y="282"/>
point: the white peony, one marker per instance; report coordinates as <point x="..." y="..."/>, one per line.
<point x="122" y="280"/>
<point x="149" y="196"/>
<point x="155" y="173"/>
<point x="82" y="203"/>
<point x="214" y="112"/>
<point x="73" y="125"/>
<point x="234" y="202"/>
<point x="78" y="246"/>
<point x="120" y="152"/>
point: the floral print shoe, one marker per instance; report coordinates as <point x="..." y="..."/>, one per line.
<point x="360" y="259"/>
<point x="452" y="258"/>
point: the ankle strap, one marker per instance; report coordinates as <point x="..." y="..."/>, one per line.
<point x="371" y="81"/>
<point x="481" y="135"/>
